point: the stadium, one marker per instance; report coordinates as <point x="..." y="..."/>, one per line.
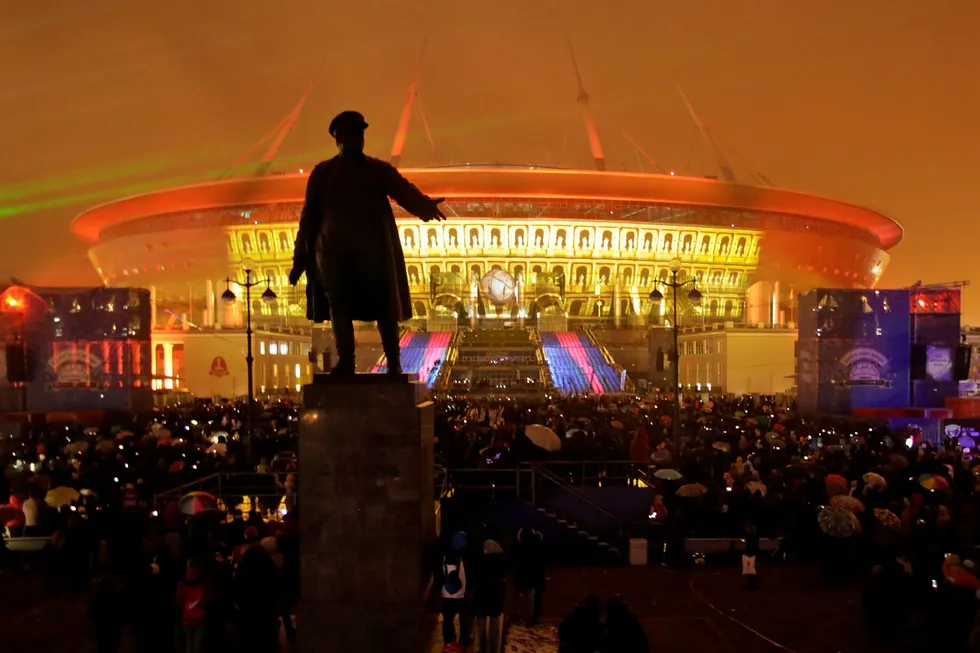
<point x="540" y="277"/>
<point x="579" y="248"/>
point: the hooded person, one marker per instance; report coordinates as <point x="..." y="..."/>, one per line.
<point x="529" y="573"/>
<point x="348" y="244"/>
<point x="488" y="602"/>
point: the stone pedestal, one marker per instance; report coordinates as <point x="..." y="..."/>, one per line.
<point x="367" y="519"/>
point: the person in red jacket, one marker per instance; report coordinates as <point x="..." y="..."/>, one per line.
<point x="194" y="596"/>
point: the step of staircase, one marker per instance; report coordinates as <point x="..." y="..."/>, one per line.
<point x="607" y="550"/>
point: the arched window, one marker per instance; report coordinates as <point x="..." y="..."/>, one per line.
<point x="495" y="238"/>
<point x="560" y="239"/>
<point x="687" y="244"/>
<point x="583" y="239"/>
<point x="420" y="309"/>
<point x="539" y="238"/>
<point x="475" y="271"/>
<point x="413" y="275"/>
<point x="729" y="307"/>
<point x="740" y="248"/>
<point x="284" y="244"/>
<point x="706" y="244"/>
<point x="647" y="242"/>
<point x="607" y="240"/>
<point x="733" y="278"/>
<point x="668" y="243"/>
<point x="604" y="275"/>
<point x="409" y="239"/>
<point x="519" y="238"/>
<point x="581" y="275"/>
<point x="536" y="269"/>
<point x="630" y="241"/>
<point x="433" y="238"/>
<point x="474" y="238"/>
<point x="723" y="245"/>
<point x="455" y="269"/>
<point x="434" y="269"/>
<point x="453" y="238"/>
<point x="645" y="277"/>
<point x="518" y="271"/>
<point x="713" y="308"/>
<point x="246" y="244"/>
<point x="264" y="242"/>
<point x="662" y="275"/>
<point x="628" y="277"/>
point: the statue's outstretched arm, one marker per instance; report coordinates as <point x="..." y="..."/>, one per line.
<point x="409" y="197"/>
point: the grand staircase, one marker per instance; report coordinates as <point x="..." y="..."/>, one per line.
<point x="578" y="365"/>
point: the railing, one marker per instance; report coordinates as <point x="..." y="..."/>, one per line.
<point x="567" y="487"/>
<point x="521" y="481"/>
<point x="627" y="385"/>
<point x="255" y="485"/>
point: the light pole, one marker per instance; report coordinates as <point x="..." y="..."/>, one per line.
<point x="695" y="296"/>
<point x="228" y="296"/>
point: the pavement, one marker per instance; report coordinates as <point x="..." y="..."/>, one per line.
<point x="701" y="610"/>
<point x="694" y="610"/>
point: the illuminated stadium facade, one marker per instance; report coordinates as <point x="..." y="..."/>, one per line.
<point x="523" y="246"/>
<point x="588" y="246"/>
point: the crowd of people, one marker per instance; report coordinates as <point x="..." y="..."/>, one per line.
<point x="852" y="496"/>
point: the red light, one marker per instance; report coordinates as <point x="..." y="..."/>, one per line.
<point x="12" y="302"/>
<point x="922" y="303"/>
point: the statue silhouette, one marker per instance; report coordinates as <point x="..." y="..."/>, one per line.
<point x="348" y="243"/>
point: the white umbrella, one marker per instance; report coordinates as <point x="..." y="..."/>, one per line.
<point x="542" y="436"/>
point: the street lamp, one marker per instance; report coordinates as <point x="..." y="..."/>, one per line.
<point x="228" y="296"/>
<point x="695" y="296"/>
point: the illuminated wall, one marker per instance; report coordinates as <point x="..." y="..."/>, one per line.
<point x="737" y="360"/>
<point x="603" y="256"/>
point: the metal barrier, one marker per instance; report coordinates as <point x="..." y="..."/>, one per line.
<point x="264" y="487"/>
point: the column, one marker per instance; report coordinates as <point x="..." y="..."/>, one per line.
<point x="168" y="365"/>
<point x="153" y="307"/>
<point x="209" y="321"/>
<point x="367" y="525"/>
<point x="617" y="309"/>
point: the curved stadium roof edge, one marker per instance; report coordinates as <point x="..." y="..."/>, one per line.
<point x="526" y="182"/>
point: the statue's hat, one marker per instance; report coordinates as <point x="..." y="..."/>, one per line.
<point x="347" y="119"/>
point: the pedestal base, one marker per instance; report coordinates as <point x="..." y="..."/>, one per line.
<point x="366" y="514"/>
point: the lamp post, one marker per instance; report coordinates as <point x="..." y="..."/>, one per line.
<point x="657" y="296"/>
<point x="228" y="296"/>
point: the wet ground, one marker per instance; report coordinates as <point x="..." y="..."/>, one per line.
<point x="694" y="610"/>
<point x="709" y="610"/>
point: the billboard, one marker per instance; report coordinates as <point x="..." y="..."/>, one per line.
<point x="854" y="350"/>
<point x="937" y="333"/>
<point x="89" y="348"/>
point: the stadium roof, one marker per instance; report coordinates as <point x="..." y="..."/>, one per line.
<point x="531" y="183"/>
